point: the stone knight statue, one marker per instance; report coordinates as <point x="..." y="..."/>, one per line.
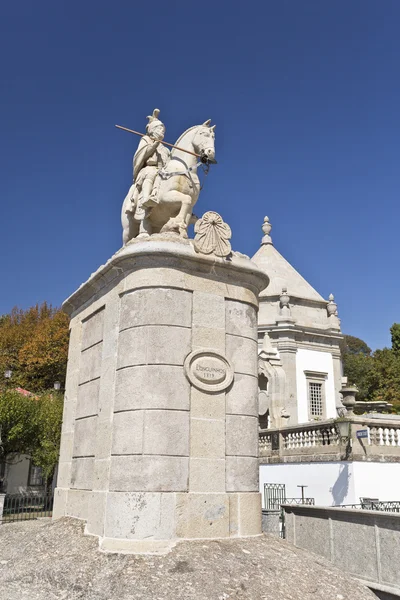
<point x="166" y="184"/>
<point x="149" y="158"/>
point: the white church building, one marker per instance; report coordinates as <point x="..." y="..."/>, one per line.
<point x="300" y="398"/>
<point x="300" y="373"/>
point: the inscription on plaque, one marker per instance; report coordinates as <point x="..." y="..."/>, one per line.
<point x="208" y="370"/>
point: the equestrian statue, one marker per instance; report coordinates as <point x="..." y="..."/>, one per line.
<point x="166" y="185"/>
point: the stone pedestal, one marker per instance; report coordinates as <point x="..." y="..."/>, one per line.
<point x="160" y="431"/>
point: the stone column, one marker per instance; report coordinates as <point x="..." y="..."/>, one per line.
<point x="160" y="435"/>
<point x="287" y="346"/>
<point x="337" y="375"/>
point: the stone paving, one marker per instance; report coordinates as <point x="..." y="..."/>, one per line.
<point x="43" y="560"/>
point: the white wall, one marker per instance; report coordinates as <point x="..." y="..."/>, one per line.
<point x="334" y="483"/>
<point x="377" y="480"/>
<point x="321" y="362"/>
<point x="330" y="483"/>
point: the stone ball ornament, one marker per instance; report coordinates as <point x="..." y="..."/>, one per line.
<point x="208" y="370"/>
<point x="212" y="235"/>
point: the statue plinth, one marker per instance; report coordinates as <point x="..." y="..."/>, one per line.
<point x="160" y="430"/>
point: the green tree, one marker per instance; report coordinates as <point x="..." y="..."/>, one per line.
<point x="358" y="370"/>
<point x="18" y="423"/>
<point x="395" y="332"/>
<point x="49" y="412"/>
<point x="376" y="374"/>
<point x="385" y="377"/>
<point x="31" y="425"/>
<point x="357" y="364"/>
<point x="354" y="345"/>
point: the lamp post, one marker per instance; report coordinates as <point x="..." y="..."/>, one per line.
<point x="342" y="427"/>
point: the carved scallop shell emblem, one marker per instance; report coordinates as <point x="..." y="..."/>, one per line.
<point x="212" y="235"/>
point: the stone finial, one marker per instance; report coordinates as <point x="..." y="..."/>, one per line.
<point x="284" y="303"/>
<point x="212" y="235"/>
<point x="267" y="351"/>
<point x="266" y="227"/>
<point x="332" y="306"/>
<point x="266" y="346"/>
<point x="285" y="312"/>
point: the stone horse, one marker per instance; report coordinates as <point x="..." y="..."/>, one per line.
<point x="178" y="187"/>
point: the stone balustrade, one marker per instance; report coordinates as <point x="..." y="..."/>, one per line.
<point x="319" y="440"/>
<point x="384" y="436"/>
<point x="264" y="442"/>
<point x="310" y="437"/>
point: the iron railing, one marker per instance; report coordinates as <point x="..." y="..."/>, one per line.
<point x="275" y="497"/>
<point x="23" y="507"/>
<point x="299" y="501"/>
<point x="388" y="506"/>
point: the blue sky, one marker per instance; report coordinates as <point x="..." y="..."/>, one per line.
<point x="306" y="99"/>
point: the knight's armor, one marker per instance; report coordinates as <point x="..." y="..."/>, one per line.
<point x="149" y="158"/>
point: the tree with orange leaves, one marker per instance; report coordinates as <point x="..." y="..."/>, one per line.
<point x="34" y="345"/>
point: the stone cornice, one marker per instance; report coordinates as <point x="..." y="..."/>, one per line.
<point x="308" y="338"/>
<point x="293" y="300"/>
<point x="172" y="252"/>
<point x="314" y="331"/>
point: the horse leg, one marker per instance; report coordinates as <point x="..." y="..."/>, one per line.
<point x="179" y="224"/>
<point x="130" y="228"/>
<point x="145" y="228"/>
<point x="129" y="224"/>
<point x="185" y="215"/>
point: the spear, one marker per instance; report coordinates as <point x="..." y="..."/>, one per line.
<point x="165" y="143"/>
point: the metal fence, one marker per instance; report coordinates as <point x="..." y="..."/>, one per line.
<point x="370" y="504"/>
<point x="275" y="496"/>
<point x="23" y="507"/>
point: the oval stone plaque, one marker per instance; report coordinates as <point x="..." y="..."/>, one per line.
<point x="208" y="370"/>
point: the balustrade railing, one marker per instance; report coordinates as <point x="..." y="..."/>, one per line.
<point x="308" y="437"/>
<point x="381" y="437"/>
<point x="264" y="441"/>
<point x="384" y="436"/>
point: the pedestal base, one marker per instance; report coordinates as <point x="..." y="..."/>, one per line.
<point x="160" y="429"/>
<point x="197" y="517"/>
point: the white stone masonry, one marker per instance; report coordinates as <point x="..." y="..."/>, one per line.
<point x="160" y="431"/>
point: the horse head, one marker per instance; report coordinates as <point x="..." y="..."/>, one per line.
<point x="204" y="142"/>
